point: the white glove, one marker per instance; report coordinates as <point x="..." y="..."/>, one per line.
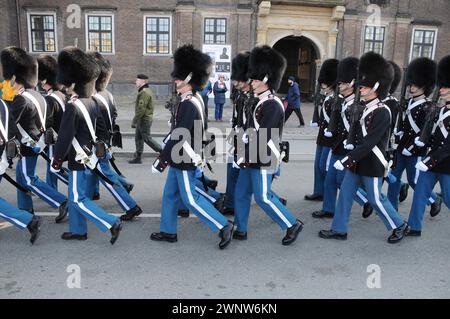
<point x="418" y="142"/>
<point x="197" y="160"/>
<point x="338" y="165"/>
<point x="327" y="133"/>
<point x="53" y="170"/>
<point x="245" y="138"/>
<point x="155" y="171"/>
<point x="406" y="152"/>
<point x="313" y="124"/>
<point x="421" y="166"/>
<point x="236" y="165"/>
<point x="349" y="147"/>
<point x="398" y="133"/>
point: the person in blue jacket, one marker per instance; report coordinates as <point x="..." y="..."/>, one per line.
<point x="293" y="98"/>
<point x="219" y="90"/>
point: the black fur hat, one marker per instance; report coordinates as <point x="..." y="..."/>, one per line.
<point x="347" y="70"/>
<point x="16" y="62"/>
<point x="328" y="72"/>
<point x="374" y="68"/>
<point x="266" y="61"/>
<point x="188" y="60"/>
<point x="75" y="66"/>
<point x="422" y="73"/>
<point x="397" y="77"/>
<point x="239" y="66"/>
<point x="443" y="73"/>
<point x="48" y="69"/>
<point x="105" y="70"/>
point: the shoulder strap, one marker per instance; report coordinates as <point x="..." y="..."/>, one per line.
<point x="4" y="128"/>
<point x="200" y="109"/>
<point x="58" y="99"/>
<point x="86" y="116"/>
<point x="42" y="116"/>
<point x="106" y="105"/>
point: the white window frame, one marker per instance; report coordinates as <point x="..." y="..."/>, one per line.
<point x="113" y="29"/>
<point x="363" y="36"/>
<point x="211" y="16"/>
<point x="424" y="28"/>
<point x="144" y="40"/>
<point x="30" y="42"/>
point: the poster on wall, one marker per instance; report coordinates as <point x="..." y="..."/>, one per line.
<point x="221" y="58"/>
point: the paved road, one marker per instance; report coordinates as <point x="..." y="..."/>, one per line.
<point x="261" y="267"/>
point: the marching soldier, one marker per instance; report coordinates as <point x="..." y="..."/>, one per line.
<point x="28" y="110"/>
<point x="266" y="67"/>
<point x="436" y="164"/>
<point x="420" y="80"/>
<point x="366" y="164"/>
<point x="18" y="217"/>
<point x="347" y="73"/>
<point x="191" y="71"/>
<point x="327" y="82"/>
<point x="108" y="110"/>
<point x="78" y="141"/>
<point x="56" y="101"/>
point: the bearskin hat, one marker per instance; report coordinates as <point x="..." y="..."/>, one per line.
<point x="422" y="73"/>
<point x="239" y="66"/>
<point x="187" y="60"/>
<point x="16" y="62"/>
<point x="48" y="69"/>
<point x="75" y="66"/>
<point x="264" y="62"/>
<point x="443" y="73"/>
<point x="397" y="77"/>
<point x="105" y="71"/>
<point x="328" y="72"/>
<point x="347" y="70"/>
<point x="374" y="68"/>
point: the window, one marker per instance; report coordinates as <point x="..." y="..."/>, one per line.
<point x="100" y="33"/>
<point x="374" y="39"/>
<point x="157" y="35"/>
<point x="423" y="43"/>
<point x="215" y="31"/>
<point x="42" y="32"/>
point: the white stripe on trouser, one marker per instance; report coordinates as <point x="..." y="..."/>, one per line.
<point x="192" y="202"/>
<point x="81" y="205"/>
<point x="268" y="202"/>
<point x="380" y="206"/>
<point x="14" y="220"/>
<point x="212" y="199"/>
<point x="416" y="176"/>
<point x="361" y="196"/>
<point x="113" y="191"/>
<point x="28" y="180"/>
<point x="328" y="161"/>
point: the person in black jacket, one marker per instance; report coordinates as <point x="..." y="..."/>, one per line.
<point x="262" y="147"/>
<point x="56" y="101"/>
<point x="183" y="151"/>
<point x="84" y="131"/>
<point x="420" y="78"/>
<point x="28" y="110"/>
<point x="327" y="82"/>
<point x="436" y="164"/>
<point x="108" y="110"/>
<point x="366" y="164"/>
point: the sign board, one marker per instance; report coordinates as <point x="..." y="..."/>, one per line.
<point x="221" y="63"/>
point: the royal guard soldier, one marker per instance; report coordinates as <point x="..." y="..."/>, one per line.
<point x="347" y="74"/>
<point x="435" y="167"/>
<point x="29" y="113"/>
<point x="82" y="121"/>
<point x="108" y="110"/>
<point x="327" y="82"/>
<point x="262" y="147"/>
<point x="18" y="217"/>
<point x="184" y="156"/>
<point x="366" y="165"/>
<point x="420" y="81"/>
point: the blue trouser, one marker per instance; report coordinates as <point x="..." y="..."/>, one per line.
<point x="117" y="191"/>
<point x="409" y="163"/>
<point x="211" y="195"/>
<point x="81" y="206"/>
<point x="232" y="177"/>
<point x="320" y="168"/>
<point x="379" y="202"/>
<point x="219" y="111"/>
<point x="258" y="182"/>
<point x="424" y="189"/>
<point x="333" y="182"/>
<point x="12" y="214"/>
<point x="26" y="176"/>
<point x="52" y="178"/>
<point x="180" y="187"/>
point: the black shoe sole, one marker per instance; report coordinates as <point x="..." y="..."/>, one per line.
<point x="169" y="240"/>
<point x="114" y="239"/>
<point x="332" y="237"/>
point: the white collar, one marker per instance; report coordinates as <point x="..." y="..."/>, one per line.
<point x="349" y="98"/>
<point x="372" y="103"/>
<point x="264" y="95"/>
<point x="185" y="95"/>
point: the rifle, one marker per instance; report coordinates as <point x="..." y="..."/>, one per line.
<point x="335" y="113"/>
<point x="356" y="112"/>
<point x="402" y="107"/>
<point x="318" y="100"/>
<point x="433" y="111"/>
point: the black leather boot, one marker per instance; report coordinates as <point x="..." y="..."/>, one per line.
<point x="170" y="238"/>
<point x="63" y="210"/>
<point x="226" y="234"/>
<point x="130" y="214"/>
<point x="34" y="228"/>
<point x="398" y="234"/>
<point x="292" y="233"/>
<point x="367" y="210"/>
